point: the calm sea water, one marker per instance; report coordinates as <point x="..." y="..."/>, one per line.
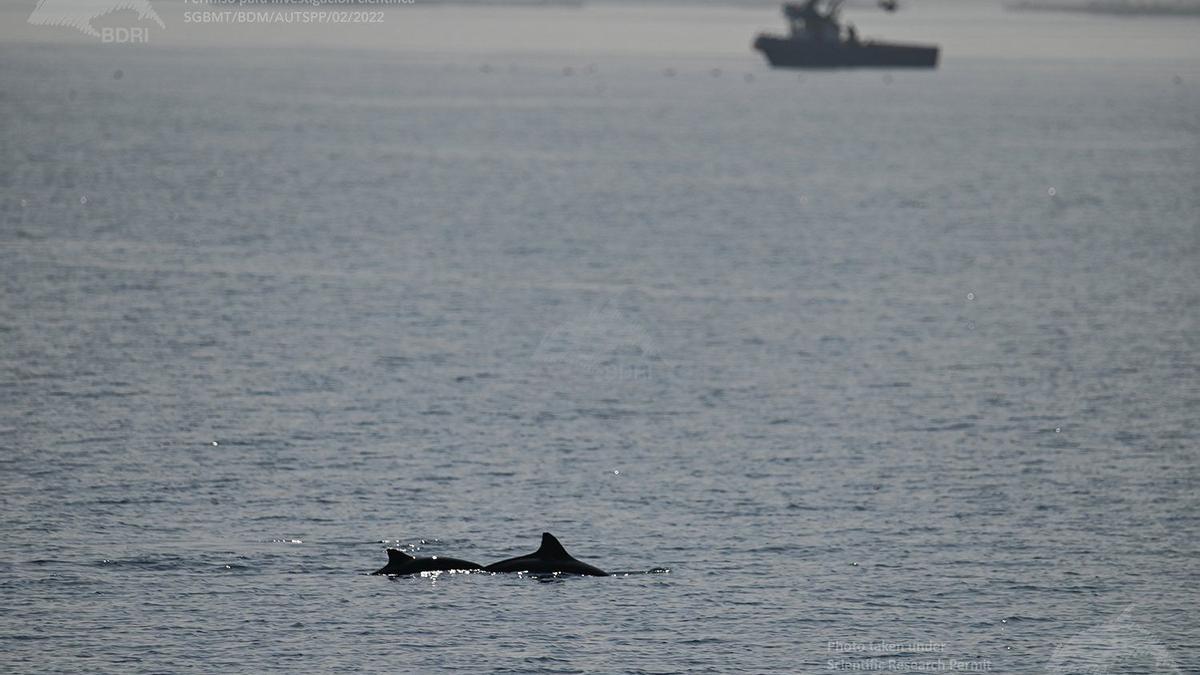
<point x="885" y="369"/>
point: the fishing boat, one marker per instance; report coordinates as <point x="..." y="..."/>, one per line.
<point x="818" y="39"/>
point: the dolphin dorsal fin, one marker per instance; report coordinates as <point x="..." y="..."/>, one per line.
<point x="551" y="548"/>
<point x="398" y="556"/>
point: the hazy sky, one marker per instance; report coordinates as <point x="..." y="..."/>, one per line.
<point x="964" y="29"/>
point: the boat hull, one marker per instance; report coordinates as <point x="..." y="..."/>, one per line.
<point x="786" y="53"/>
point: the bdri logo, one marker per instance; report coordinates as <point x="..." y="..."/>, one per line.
<point x="1115" y="647"/>
<point x="79" y="14"/>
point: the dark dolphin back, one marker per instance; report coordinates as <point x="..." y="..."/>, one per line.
<point x="438" y="563"/>
<point x="550" y="557"/>
<point x="400" y="562"/>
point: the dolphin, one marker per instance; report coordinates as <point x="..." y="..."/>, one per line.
<point x="551" y="557"/>
<point x="400" y="563"/>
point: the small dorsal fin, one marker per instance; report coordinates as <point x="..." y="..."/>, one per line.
<point x="398" y="556"/>
<point x="551" y="548"/>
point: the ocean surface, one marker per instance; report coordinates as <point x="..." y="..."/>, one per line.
<point x="892" y="371"/>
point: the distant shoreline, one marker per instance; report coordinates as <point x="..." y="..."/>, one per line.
<point x="1112" y="7"/>
<point x="469" y="3"/>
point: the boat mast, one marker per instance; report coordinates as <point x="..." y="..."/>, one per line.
<point x="807" y="22"/>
